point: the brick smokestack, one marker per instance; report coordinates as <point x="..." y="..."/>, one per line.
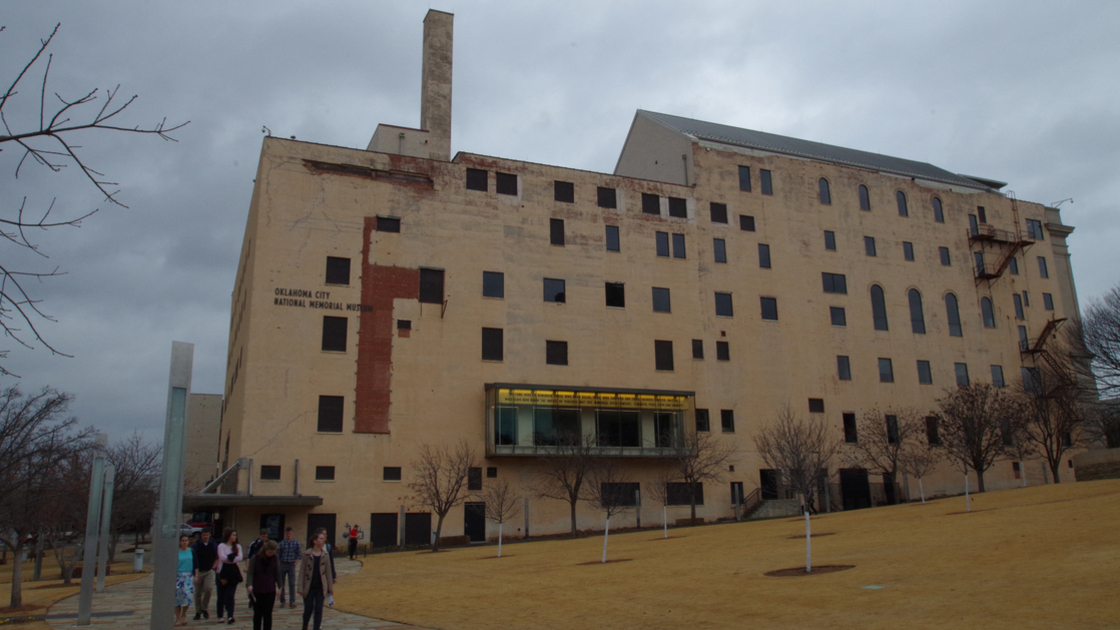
<point x="435" y="89"/>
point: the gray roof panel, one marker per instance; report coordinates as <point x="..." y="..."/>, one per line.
<point x="736" y="136"/>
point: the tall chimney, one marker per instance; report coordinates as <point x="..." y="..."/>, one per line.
<point x="435" y="90"/>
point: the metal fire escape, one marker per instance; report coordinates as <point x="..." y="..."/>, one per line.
<point x="1038" y="348"/>
<point x="1004" y="243"/>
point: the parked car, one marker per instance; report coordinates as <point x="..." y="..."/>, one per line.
<point x="186" y="529"/>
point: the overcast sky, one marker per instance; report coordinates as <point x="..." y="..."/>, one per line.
<point x="1019" y="91"/>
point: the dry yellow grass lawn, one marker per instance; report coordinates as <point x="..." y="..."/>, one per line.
<point x="1043" y="557"/>
<point x="38" y="596"/>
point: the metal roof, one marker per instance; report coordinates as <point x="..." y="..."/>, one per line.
<point x="736" y="136"/>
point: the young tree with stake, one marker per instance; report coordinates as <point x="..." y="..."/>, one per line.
<point x="441" y="480"/>
<point x="503" y="504"/>
<point x="612" y="494"/>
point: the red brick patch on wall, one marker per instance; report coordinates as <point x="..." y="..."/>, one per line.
<point x="380" y="286"/>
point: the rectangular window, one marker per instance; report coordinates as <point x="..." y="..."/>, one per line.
<point x="404" y="324"/>
<point x="334" y="333"/>
<point x="606" y="197"/>
<point x="651" y="204"/>
<point x="324" y="473"/>
<point x="763" y="255"/>
<point x="661" y="302"/>
<point x="1048" y="301"/>
<point x="933" y="436"/>
<point x="769" y="308"/>
<point x="474" y="479"/>
<point x="723" y="351"/>
<point x="997" y="376"/>
<point x="330" y="414"/>
<point x="746" y="222"/>
<point x="830" y="240"/>
<point x="944" y="253"/>
<point x="613" y="243"/>
<point x="678" y="246"/>
<point x="1032" y="379"/>
<point x="719" y="212"/>
<point x="338" y="270"/>
<point x="678" y="208"/>
<point x="982" y="213"/>
<point x="491" y="472"/>
<point x="1018" y="301"/>
<point x="892" y="430"/>
<point x="564" y="192"/>
<point x="270" y="473"/>
<point x="616" y="294"/>
<point x="925" y="375"/>
<point x="505" y="183"/>
<point x="556" y="352"/>
<point x="1043" y="270"/>
<point x="662" y="240"/>
<point x="723" y="305"/>
<point x="843" y="368"/>
<point x="556" y="232"/>
<point x="961" y="370"/>
<point x="431" y="286"/>
<point x="624" y="494"/>
<point x="1024" y="340"/>
<point x="554" y="291"/>
<point x="837" y="315"/>
<point x="851" y="432"/>
<point x="886" y="371"/>
<point x="552" y="426"/>
<point x="1034" y="229"/>
<point x="719" y="249"/>
<point x="907" y="250"/>
<point x="702" y="421"/>
<point x="493" y="284"/>
<point x="679" y="493"/>
<point x="505" y="426"/>
<point x="1013" y="266"/>
<point x="834" y="283"/>
<point x="476" y="179"/>
<point x="745" y="178"/>
<point x="767" y="185"/>
<point x="1026" y="298"/>
<point x="492" y="344"/>
<point x="869" y="245"/>
<point x="388" y="224"/>
<point x="391" y="473"/>
<point x="816" y="405"/>
<point x="663" y="355"/>
<point x="697" y="348"/>
<point x="727" y="420"/>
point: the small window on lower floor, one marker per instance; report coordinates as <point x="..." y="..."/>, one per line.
<point x="925" y="376"/>
<point x="961" y="370"/>
<point x="556" y="352"/>
<point x="723" y="351"/>
<point x="703" y="423"/>
<point x="474" y="479"/>
<point x="851" y="433"/>
<point x="816" y="405"/>
<point x="492" y="344"/>
<point x="391" y="473"/>
<point x="769" y="308"/>
<point x="663" y="355"/>
<point x="838" y="316"/>
<point x="697" y="349"/>
<point x="324" y="473"/>
<point x="1048" y="301"/>
<point x="886" y="371"/>
<point x="933" y="437"/>
<point x="746" y="222"/>
<point x="616" y="294"/>
<point x="388" y="224"/>
<point x="727" y="420"/>
<point x="843" y="368"/>
<point x="270" y="473"/>
<point x="492" y="472"/>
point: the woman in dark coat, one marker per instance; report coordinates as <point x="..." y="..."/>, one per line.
<point x="260" y="580"/>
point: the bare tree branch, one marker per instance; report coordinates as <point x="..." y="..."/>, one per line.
<point x="441" y="479"/>
<point x="701" y="458"/>
<point x="802" y="450"/>
<point x="978" y="423"/>
<point x="565" y="467"/>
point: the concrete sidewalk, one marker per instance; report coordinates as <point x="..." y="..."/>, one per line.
<point x="128" y="606"/>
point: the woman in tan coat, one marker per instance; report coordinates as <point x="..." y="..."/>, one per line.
<point x="315" y="580"/>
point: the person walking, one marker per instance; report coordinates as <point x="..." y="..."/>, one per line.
<point x="229" y="574"/>
<point x="353" y="541"/>
<point x="261" y="579"/>
<point x="288" y="552"/>
<point x="206" y="553"/>
<point x="185" y="575"/>
<point x="262" y="538"/>
<point x="315" y="580"/>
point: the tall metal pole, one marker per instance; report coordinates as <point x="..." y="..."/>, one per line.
<point x="93" y="518"/>
<point x="165" y="534"/>
<point x="106" y="521"/>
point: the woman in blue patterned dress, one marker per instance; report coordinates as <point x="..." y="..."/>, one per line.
<point x="185" y="574"/>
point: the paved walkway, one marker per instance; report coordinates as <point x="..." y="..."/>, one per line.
<point x="128" y="606"/>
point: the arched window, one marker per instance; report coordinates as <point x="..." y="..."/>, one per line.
<point x="878" y="307"/>
<point x="917" y="318"/>
<point x="938" y="213"/>
<point x="826" y="196"/>
<point x="903" y="211"/>
<point x="864" y="198"/>
<point x="954" y="315"/>
<point x="986" y="312"/>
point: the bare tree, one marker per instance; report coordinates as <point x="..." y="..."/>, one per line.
<point x="36" y="439"/>
<point x="885" y="439"/>
<point x="48" y="139"/>
<point x="503" y="504"/>
<point x="920" y="462"/>
<point x="565" y="467"/>
<point x="1054" y="415"/>
<point x="1099" y="336"/>
<point x="441" y="479"/>
<point x="659" y="492"/>
<point x="612" y="493"/>
<point x="700" y="459"/>
<point x="802" y="450"/>
<point x="136" y="485"/>
<point x="977" y="423"/>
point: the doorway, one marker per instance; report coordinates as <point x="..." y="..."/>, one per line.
<point x="855" y="488"/>
<point x="326" y="521"/>
<point x="474" y="521"/>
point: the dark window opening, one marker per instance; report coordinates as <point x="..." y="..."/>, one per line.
<point x="661" y="302"/>
<point x="767" y="184"/>
<point x="938" y="212"/>
<point x="431" y="286"/>
<point x="769" y="308"/>
<point x="987" y="314"/>
<point x="324" y="473"/>
<point x="565" y="192"/>
<point x="330" y="414"/>
<point x="492" y="472"/>
<point x="404" y="324"/>
<point x="606" y="197"/>
<point x="816" y="405"/>
<point x="613" y="243"/>
<point x="925" y="375"/>
<point x="961" y="371"/>
<point x="723" y="351"/>
<point x="391" y="473"/>
<point x="823" y="192"/>
<point x="338" y="270"/>
<point x="554" y="290"/>
<point x="843" y="368"/>
<point x="619" y="428"/>
<point x="703" y="423"/>
<point x="933" y="436"/>
<point x="851" y="432"/>
<point x="719" y="250"/>
<point x="493" y="284"/>
<point x="900" y="197"/>
<point x="834" y="282"/>
<point x="830" y="240"/>
<point x="552" y="426"/>
<point x="388" y="224"/>
<point x="892" y="430"/>
<point x="953" y="314"/>
<point x="746" y="222"/>
<point x="334" y="333"/>
<point x="505" y="183"/>
<point x="678" y="208"/>
<point x="616" y="294"/>
<point x="623" y="494"/>
<point x="723" y="305"/>
<point x="697" y="349"/>
<point x="474" y="479"/>
<point x="663" y="355"/>
<point x="944" y="253"/>
<point x="917" y="316"/>
<point x="662" y="243"/>
<point x="745" y="178"/>
<point x="869" y="245"/>
<point x="719" y="212"/>
<point x="727" y="420"/>
<point x="864" y="198"/>
<point x="1048" y="301"/>
<point x="997" y="376"/>
<point x="763" y="255"/>
<point x="270" y="473"/>
<point x="476" y="179"/>
<point x="886" y="371"/>
<point x="556" y="352"/>
<point x="837" y="316"/>
<point x="651" y="204"/>
<point x="556" y="231"/>
<point x="679" y="493"/>
<point x="1043" y="270"/>
<point x="878" y="308"/>
<point x="982" y="213"/>
<point x="907" y="250"/>
<point x="493" y="348"/>
<point x="678" y="246"/>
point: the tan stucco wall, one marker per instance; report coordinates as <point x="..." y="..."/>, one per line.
<point x="204" y="422"/>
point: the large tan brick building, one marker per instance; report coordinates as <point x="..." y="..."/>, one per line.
<point x="393" y="297"/>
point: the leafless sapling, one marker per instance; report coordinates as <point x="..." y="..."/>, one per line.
<point x="801" y="450"/>
<point x="503" y="504"/>
<point x="440" y="481"/>
<point x="701" y="458"/>
<point x="976" y="424"/>
<point x="884" y="438"/>
<point x="612" y="493"/>
<point x="565" y="467"/>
